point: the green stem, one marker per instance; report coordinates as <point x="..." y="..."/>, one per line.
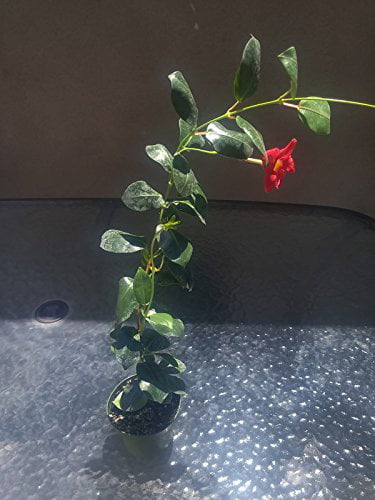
<point x="339" y="101"/>
<point x="199" y="151"/>
<point x="152" y="246"/>
<point x="281" y="100"/>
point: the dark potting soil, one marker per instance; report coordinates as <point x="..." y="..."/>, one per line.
<point x="152" y="418"/>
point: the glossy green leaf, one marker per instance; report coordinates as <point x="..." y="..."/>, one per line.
<point x="125" y="357"/>
<point x="153" y="392"/>
<point x="140" y="196"/>
<point x="153" y="341"/>
<point x="183" y="177"/>
<point x="171" y="360"/>
<point x="196" y="141"/>
<point x="117" y="241"/>
<point x="189" y="208"/>
<point x="165" y="324"/>
<point x="183" y="275"/>
<point x="173" y="274"/>
<point x="198" y="198"/>
<point x="253" y="133"/>
<point x="142" y="286"/>
<point x="316" y="115"/>
<point x="176" y="247"/>
<point x="161" y="155"/>
<point x="131" y="398"/>
<point x="228" y="142"/>
<point x="159" y="377"/>
<point x="248" y="73"/>
<point x="124" y="337"/>
<point x="288" y="59"/>
<point x="165" y="278"/>
<point x="126" y="301"/>
<point x="182" y="98"/>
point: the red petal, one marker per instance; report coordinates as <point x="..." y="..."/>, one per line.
<point x="273" y="155"/>
<point x="288" y="165"/>
<point x="288" y="150"/>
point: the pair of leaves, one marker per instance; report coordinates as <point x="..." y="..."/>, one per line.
<point x="189" y="208"/>
<point x="125" y="347"/>
<point x="183" y="177"/>
<point x="158" y="380"/>
<point x="150" y="340"/>
<point x="131" y="398"/>
<point x="176" y="247"/>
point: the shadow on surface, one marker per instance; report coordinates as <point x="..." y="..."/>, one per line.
<point x="121" y="464"/>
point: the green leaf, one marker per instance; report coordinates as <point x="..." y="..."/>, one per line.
<point x="316" y="115"/>
<point x="288" y="59"/>
<point x="189" y="208"/>
<point x="153" y="341"/>
<point x="140" y="196"/>
<point x="117" y="241"/>
<point x="253" y="133"/>
<point x="126" y="301"/>
<point x="228" y="142"/>
<point x="125" y="357"/>
<point x="153" y="392"/>
<point x="173" y="274"/>
<point x="196" y="141"/>
<point x="248" y="73"/>
<point x="159" y="377"/>
<point x="161" y="155"/>
<point x="182" y="98"/>
<point x="142" y="286"/>
<point x="170" y="360"/>
<point x="183" y="275"/>
<point x="131" y="398"/>
<point x="165" y="324"/>
<point x="198" y="198"/>
<point x="183" y="177"/>
<point x="165" y="278"/>
<point x="124" y="337"/>
<point x="176" y="247"/>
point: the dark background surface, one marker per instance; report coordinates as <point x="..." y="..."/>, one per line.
<point x="83" y="89"/>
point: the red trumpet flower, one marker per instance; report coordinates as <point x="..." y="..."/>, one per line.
<point x="280" y="162"/>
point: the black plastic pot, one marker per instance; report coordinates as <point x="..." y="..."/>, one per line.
<point x="146" y="432"/>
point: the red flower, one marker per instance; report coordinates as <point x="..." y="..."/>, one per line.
<point x="280" y="162"/>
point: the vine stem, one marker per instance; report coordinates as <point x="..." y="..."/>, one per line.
<point x="281" y="100"/>
<point x="199" y="151"/>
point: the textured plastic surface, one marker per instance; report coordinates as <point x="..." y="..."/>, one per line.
<point x="279" y="350"/>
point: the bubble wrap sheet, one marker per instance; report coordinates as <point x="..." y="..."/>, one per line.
<point x="279" y="352"/>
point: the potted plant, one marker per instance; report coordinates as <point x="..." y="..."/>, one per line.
<point x="147" y="402"/>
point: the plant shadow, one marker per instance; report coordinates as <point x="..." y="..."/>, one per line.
<point x="117" y="460"/>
